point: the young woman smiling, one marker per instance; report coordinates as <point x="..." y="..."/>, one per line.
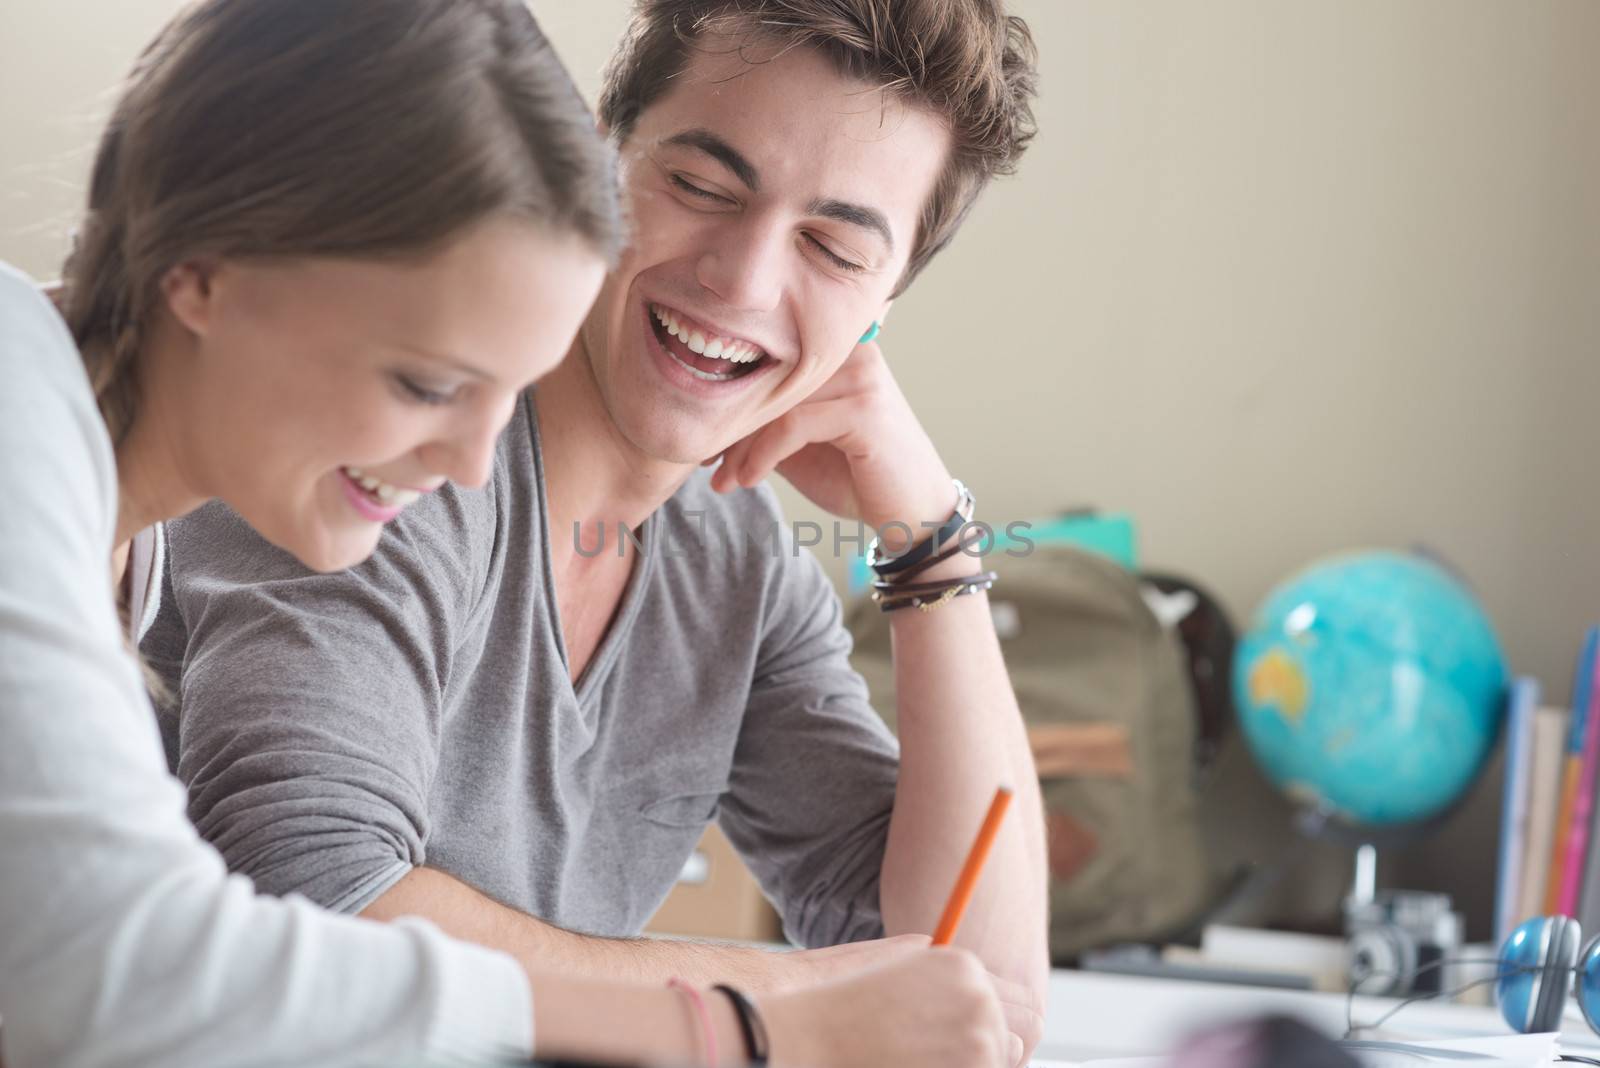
<point x="328" y="242"/>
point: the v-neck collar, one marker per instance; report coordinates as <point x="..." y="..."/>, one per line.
<point x="610" y="647"/>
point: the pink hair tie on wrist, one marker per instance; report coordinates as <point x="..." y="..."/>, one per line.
<point x="704" y="1013"/>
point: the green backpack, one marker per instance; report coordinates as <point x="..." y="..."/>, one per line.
<point x="1107" y="694"/>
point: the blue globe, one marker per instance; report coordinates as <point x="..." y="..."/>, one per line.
<point x="1371" y="685"/>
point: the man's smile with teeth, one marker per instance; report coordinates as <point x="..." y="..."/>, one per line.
<point x="705" y="354"/>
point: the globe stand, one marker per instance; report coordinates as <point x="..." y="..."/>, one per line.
<point x="1397" y="941"/>
<point x="1364" y="887"/>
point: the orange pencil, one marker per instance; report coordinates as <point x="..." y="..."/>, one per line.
<point x="968" y="881"/>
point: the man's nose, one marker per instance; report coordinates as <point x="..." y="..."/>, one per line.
<point x="746" y="263"/>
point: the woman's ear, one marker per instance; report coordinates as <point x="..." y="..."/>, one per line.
<point x="187" y="289"/>
<point x="883" y="316"/>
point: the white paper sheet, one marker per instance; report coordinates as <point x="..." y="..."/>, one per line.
<point x="1495" y="1051"/>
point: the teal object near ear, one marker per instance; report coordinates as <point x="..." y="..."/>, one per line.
<point x="872" y="332"/>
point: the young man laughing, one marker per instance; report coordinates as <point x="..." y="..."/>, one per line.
<point x="496" y="726"/>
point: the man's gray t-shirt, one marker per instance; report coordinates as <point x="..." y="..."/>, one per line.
<point x="335" y="731"/>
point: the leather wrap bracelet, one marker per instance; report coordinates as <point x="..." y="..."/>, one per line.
<point x="927" y="602"/>
<point x="893" y="590"/>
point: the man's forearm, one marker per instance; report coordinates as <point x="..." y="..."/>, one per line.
<point x="961" y="735"/>
<point x="465" y="913"/>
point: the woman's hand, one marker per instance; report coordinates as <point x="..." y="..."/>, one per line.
<point x="934" y="1008"/>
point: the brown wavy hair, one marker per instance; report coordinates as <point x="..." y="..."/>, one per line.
<point x="966" y="61"/>
<point x="360" y="128"/>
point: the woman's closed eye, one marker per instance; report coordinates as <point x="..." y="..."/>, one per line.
<point x="424" y="394"/>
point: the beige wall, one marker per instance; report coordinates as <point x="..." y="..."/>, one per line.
<point x="1278" y="278"/>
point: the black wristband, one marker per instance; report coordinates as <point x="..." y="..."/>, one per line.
<point x="750" y="1025"/>
<point x="916" y="553"/>
<point x="960" y="546"/>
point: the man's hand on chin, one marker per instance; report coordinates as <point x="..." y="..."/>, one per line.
<point x="854" y="448"/>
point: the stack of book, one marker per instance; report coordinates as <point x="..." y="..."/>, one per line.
<point x="1550" y="820"/>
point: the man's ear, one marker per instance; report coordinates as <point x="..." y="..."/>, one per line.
<point x="187" y="289"/>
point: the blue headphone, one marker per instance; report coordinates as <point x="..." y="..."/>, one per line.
<point x="1537" y="967"/>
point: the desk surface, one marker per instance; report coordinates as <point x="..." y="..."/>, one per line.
<point x="1093" y="1015"/>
